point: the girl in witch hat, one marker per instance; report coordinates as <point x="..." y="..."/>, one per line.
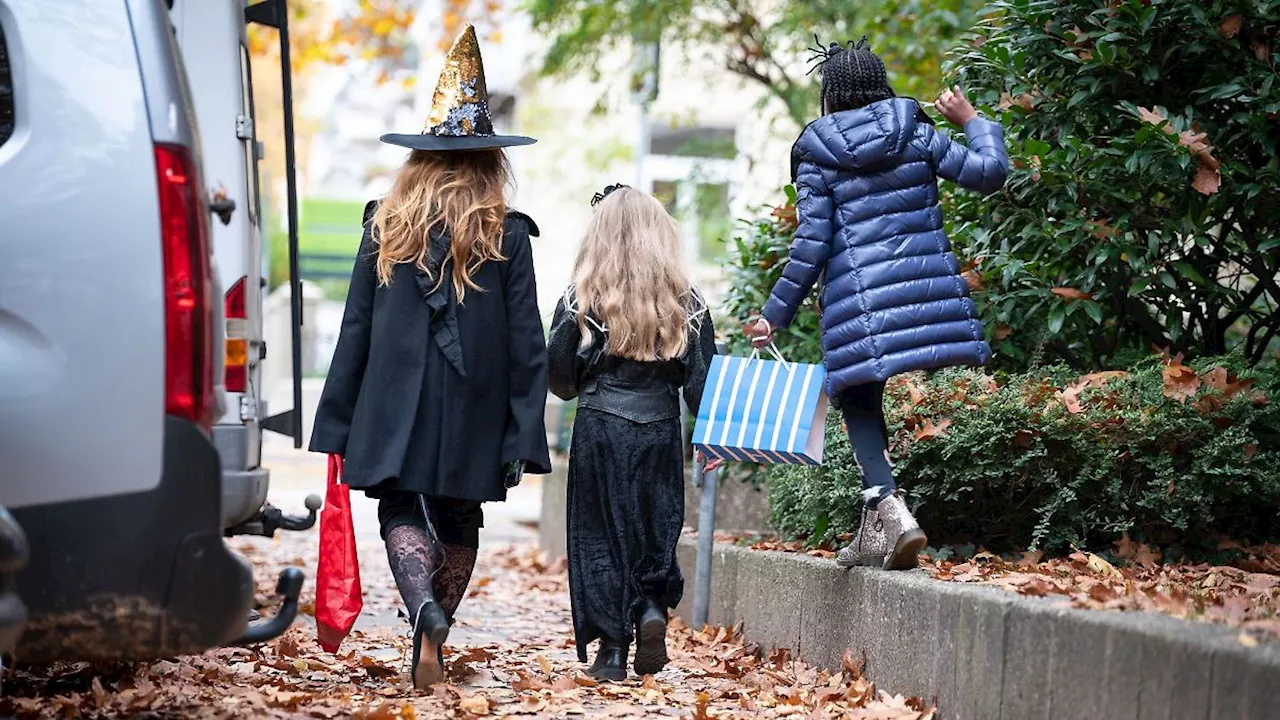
<point x="435" y="395"/>
<point x="893" y="301"/>
<point x="626" y="338"/>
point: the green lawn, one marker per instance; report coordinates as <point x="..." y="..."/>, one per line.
<point x="329" y="226"/>
<point x="326" y="227"/>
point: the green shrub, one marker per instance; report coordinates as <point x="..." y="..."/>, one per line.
<point x="1144" y="202"/>
<point x="1053" y="461"/>
<point x="755" y="263"/>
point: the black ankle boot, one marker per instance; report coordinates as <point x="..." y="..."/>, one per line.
<point x="430" y="630"/>
<point x="611" y="662"/>
<point x="651" y="639"/>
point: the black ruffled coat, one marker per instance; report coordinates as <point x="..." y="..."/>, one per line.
<point x="429" y="395"/>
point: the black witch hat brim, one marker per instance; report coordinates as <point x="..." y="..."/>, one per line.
<point x="445" y="143"/>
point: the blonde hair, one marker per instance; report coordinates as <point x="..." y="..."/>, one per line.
<point x="463" y="193"/>
<point x="630" y="278"/>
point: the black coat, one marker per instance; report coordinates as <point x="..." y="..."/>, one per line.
<point x="434" y="396"/>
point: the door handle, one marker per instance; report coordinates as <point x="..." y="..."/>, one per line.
<point x="222" y="205"/>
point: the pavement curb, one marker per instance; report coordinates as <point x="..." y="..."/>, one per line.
<point x="983" y="653"/>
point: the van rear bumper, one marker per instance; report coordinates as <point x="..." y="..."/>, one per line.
<point x="138" y="576"/>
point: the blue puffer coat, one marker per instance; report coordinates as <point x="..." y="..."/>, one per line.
<point x="868" y="210"/>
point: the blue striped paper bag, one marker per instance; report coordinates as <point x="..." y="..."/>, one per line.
<point x="762" y="411"/>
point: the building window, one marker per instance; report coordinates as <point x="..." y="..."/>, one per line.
<point x="695" y="142"/>
<point x="694" y="173"/>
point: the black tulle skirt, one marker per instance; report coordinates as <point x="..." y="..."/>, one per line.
<point x="625" y="514"/>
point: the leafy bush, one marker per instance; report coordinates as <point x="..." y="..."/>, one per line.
<point x="1144" y="203"/>
<point x="758" y="257"/>
<point x="1168" y="453"/>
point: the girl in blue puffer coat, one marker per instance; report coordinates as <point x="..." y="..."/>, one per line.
<point x="893" y="300"/>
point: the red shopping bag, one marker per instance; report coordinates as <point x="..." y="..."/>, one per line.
<point x="338" y="596"/>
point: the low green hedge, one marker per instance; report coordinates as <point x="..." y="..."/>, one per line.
<point x="1169" y="454"/>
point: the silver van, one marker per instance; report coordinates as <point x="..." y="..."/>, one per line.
<point x="111" y="352"/>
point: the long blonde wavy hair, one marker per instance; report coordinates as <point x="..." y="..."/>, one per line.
<point x="463" y="193"/>
<point x="629" y="276"/>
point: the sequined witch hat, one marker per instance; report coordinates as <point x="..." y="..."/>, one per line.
<point x="459" y="118"/>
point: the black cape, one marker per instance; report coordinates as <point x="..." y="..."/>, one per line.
<point x="429" y="395"/>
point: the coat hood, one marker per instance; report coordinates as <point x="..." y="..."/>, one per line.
<point x="861" y="138"/>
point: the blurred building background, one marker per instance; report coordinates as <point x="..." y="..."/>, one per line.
<point x="709" y="146"/>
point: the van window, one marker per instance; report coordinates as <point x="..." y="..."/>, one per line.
<point x="250" y="145"/>
<point x="6" y="92"/>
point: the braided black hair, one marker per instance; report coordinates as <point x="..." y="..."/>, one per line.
<point x="852" y="75"/>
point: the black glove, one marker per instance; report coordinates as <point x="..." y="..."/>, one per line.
<point x="512" y="473"/>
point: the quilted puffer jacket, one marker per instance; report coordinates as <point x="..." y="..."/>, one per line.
<point x="893" y="300"/>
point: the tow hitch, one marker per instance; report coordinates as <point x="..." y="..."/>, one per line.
<point x="289" y="586"/>
<point x="270" y="518"/>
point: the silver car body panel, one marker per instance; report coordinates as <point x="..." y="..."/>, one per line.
<point x="81" y="299"/>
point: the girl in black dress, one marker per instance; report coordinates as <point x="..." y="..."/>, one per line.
<point x="627" y="336"/>
<point x="437" y="388"/>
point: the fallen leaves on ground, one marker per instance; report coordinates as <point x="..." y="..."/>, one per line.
<point x="1245" y="594"/>
<point x="527" y="667"/>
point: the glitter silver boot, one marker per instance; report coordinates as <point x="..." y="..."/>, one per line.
<point x="869" y="546"/>
<point x="902" y="534"/>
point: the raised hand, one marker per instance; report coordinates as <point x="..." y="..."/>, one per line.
<point x="955" y="107"/>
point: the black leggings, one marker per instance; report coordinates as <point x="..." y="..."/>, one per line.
<point x="863" y="410"/>
<point x="456" y="522"/>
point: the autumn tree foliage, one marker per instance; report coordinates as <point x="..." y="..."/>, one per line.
<point x="763" y="42"/>
<point x="1144" y="204"/>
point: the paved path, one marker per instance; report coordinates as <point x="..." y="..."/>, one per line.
<point x="297" y="473"/>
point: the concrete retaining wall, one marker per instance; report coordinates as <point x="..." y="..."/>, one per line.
<point x="740" y="507"/>
<point x="986" y="654"/>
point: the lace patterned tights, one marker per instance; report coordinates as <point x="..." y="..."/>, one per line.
<point x="425" y="569"/>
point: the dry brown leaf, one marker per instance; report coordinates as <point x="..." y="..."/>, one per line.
<point x="564" y="684"/>
<point x="1230" y="26"/>
<point x="1207" y="181"/>
<point x="1071" y="294"/>
<point x="973" y="279"/>
<point x="1030" y="558"/>
<point x="524" y="681"/>
<point x="1002" y="331"/>
<point x="1180" y="382"/>
<point x="700" y="710"/>
<point x="931" y="430"/>
<point x="476" y="704"/>
<point x="1261" y="49"/>
<point x="1152" y="116"/>
<point x="1101" y="229"/>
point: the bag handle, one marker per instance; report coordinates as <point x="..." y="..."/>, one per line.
<point x="335" y="469"/>
<point x="777" y="355"/>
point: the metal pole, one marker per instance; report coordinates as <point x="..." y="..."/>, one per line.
<point x="709" y="482"/>
<point x="642" y="146"/>
<point x="645" y="90"/>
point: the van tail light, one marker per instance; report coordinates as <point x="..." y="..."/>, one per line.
<point x="188" y="289"/>
<point x="236" y="360"/>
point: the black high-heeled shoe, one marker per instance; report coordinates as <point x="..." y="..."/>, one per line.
<point x="651" y="639"/>
<point x="430" y="629"/>
<point x="611" y="662"/>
